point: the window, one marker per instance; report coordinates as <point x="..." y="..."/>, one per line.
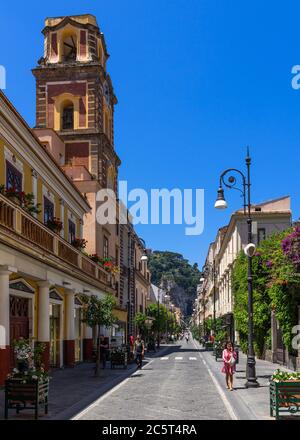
<point x="48" y="210"/>
<point x="261" y="235"/>
<point x="13" y="177"/>
<point x="105" y="247"/>
<point x="70" y="48"/>
<point x="71" y="231"/>
<point x="68" y="117"/>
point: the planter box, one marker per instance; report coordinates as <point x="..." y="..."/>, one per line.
<point x="21" y="396"/>
<point x="284" y="398"/>
<point x="218" y="353"/>
<point x="208" y="346"/>
<point x="14" y="199"/>
<point x="118" y="358"/>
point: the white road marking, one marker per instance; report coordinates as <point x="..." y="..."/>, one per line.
<point x="179" y="358"/>
<point x="166" y="358"/>
<point x="92" y="405"/>
<point x="192" y="359"/>
<point x="220" y="391"/>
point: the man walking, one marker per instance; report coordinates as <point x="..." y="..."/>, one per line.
<point x="139" y="349"/>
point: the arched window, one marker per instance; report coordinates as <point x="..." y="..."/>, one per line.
<point x="67" y="115"/>
<point x="69" y="48"/>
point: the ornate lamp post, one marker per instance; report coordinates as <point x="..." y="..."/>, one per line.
<point x="231" y="183"/>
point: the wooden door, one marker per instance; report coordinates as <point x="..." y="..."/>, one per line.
<point x="19" y="320"/>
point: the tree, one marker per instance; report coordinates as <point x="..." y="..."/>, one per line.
<point x="275" y="287"/>
<point x="159" y="323"/>
<point x="139" y="321"/>
<point x="98" y="312"/>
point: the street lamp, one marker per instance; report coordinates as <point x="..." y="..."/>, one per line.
<point x="144" y="257"/>
<point x="220" y="202"/>
<point x="231" y="183"/>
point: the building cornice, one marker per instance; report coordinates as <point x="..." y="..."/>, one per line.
<point x="255" y="216"/>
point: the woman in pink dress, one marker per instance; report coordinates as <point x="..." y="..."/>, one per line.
<point x="229" y="357"/>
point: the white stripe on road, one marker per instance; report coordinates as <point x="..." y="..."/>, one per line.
<point x="220" y="391"/>
<point x="192" y="359"/>
<point x="178" y="358"/>
<point x="166" y="358"/>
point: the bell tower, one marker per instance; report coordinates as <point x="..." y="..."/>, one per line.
<point x="75" y="104"/>
<point x="75" y="97"/>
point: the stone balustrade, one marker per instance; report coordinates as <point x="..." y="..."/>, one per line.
<point x="15" y="219"/>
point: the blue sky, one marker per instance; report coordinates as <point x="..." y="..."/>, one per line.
<point x="197" y="81"/>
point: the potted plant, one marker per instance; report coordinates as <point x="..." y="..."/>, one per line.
<point x="27" y="386"/>
<point x="118" y="356"/>
<point x="108" y="265"/>
<point x="54" y="224"/>
<point x="79" y="243"/>
<point x="14" y="195"/>
<point x="94" y="257"/>
<point x="284" y="393"/>
<point x="29" y="206"/>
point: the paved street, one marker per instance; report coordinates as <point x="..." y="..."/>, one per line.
<point x="181" y="381"/>
<point x="185" y="383"/>
<point x="174" y="386"/>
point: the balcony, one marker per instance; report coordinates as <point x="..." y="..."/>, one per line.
<point x="16" y="223"/>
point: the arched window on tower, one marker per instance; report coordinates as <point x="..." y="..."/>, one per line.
<point x="69" y="48"/>
<point x="67" y="116"/>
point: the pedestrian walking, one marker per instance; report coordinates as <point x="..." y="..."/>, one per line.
<point x="139" y="349"/>
<point x="131" y="344"/>
<point x="229" y="357"/>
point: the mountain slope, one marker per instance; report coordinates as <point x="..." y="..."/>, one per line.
<point x="176" y="274"/>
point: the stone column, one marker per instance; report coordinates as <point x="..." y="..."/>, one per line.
<point x="5" y="272"/>
<point x="88" y="343"/>
<point x="69" y="342"/>
<point x="44" y="321"/>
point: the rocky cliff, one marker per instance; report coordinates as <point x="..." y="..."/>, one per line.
<point x="175" y="273"/>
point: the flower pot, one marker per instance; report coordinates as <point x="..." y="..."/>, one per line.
<point x="15" y="199"/>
